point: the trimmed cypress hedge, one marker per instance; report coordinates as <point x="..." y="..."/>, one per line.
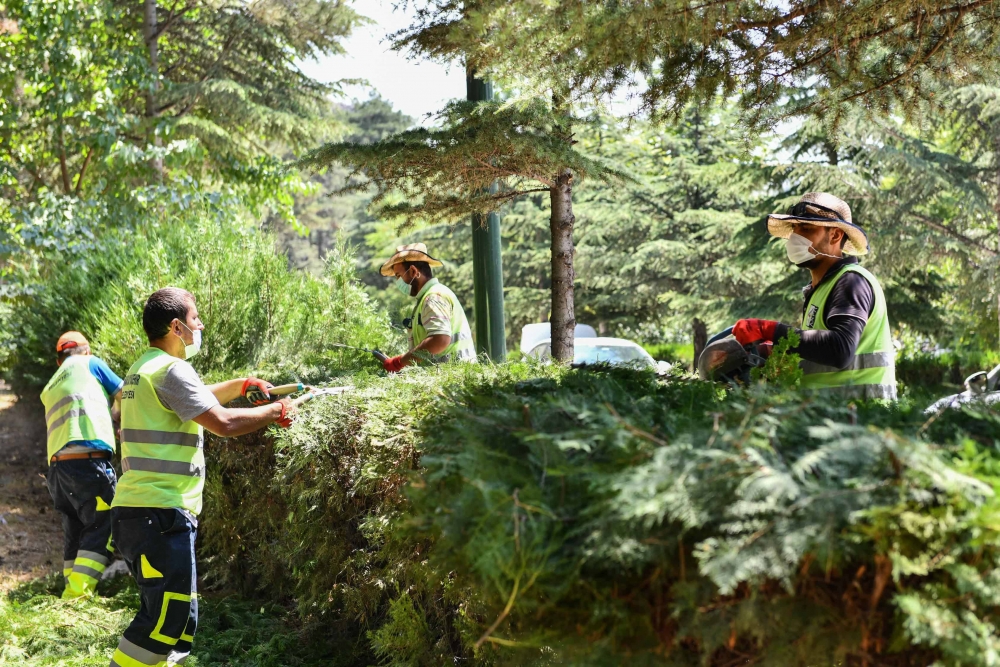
<point x="531" y="515"/>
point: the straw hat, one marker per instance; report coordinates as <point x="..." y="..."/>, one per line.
<point x="71" y="339"/>
<point x="415" y="252"/>
<point x="824" y="210"/>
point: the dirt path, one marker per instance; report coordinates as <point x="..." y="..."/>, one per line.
<point x="30" y="531"/>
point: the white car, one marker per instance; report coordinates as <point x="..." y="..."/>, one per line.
<point x="981" y="387"/>
<point x="589" y="348"/>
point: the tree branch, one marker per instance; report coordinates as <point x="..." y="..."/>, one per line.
<point x="171" y="17"/>
<point x="83" y="170"/>
<point x="933" y="224"/>
<point x="64" y="170"/>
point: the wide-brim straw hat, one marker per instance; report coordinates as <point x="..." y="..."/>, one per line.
<point x="819" y="208"/>
<point x="414" y="252"/>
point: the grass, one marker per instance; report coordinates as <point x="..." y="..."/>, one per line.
<point x="37" y="628"/>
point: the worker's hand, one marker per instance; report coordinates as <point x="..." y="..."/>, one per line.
<point x="288" y="410"/>
<point x="394" y="364"/>
<point x="754" y="331"/>
<point x="257" y="391"/>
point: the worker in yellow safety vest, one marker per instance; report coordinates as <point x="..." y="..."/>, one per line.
<point x="846" y="343"/>
<point x="439" y="330"/>
<point x="81" y="404"/>
<point x="165" y="407"/>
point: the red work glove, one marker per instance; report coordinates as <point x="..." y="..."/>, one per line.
<point x="753" y="331"/>
<point x="257" y="391"/>
<point x="394" y="364"/>
<point x="284" y="420"/>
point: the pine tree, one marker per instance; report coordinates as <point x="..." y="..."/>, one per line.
<point x="446" y="174"/>
<point x="670" y="53"/>
<point x="326" y="217"/>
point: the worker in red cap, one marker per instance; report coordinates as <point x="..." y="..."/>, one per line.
<point x="81" y="403"/>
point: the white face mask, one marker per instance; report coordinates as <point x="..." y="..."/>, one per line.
<point x="799" y="250"/>
<point x="195" y="346"/>
<point x="403" y="286"/>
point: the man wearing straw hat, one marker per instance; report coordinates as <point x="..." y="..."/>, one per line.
<point x="846" y="343"/>
<point x="439" y="330"/>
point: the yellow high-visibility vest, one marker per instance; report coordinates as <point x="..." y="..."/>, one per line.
<point x="163" y="458"/>
<point x="871" y="373"/>
<point x="461" y="347"/>
<point x="76" y="407"/>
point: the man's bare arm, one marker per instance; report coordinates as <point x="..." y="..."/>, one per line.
<point x="227" y="391"/>
<point x="116" y="407"/>
<point x="230" y="422"/>
<point x="435" y="344"/>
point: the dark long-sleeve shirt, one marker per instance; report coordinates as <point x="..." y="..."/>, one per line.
<point x="848" y="307"/>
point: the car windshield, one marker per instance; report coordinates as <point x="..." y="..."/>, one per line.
<point x="609" y="354"/>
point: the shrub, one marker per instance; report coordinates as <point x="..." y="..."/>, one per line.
<point x="584" y="516"/>
<point x="259" y="315"/>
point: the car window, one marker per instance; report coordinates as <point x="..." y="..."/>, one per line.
<point x="610" y="354"/>
<point x="543" y="352"/>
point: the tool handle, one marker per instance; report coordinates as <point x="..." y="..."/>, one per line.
<point x="285" y="389"/>
<point x="304" y="398"/>
<point x="381" y="356"/>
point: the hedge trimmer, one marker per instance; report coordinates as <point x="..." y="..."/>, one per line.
<point x="311" y="392"/>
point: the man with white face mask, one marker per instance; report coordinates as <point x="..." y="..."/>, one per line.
<point x="165" y="407"/>
<point x="846" y="342"/>
<point x="439" y="330"/>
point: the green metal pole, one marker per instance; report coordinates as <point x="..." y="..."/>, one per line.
<point x="494" y="287"/>
<point x="487" y="265"/>
<point x="480" y="309"/>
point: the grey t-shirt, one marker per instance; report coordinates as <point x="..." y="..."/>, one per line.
<point x="182" y="391"/>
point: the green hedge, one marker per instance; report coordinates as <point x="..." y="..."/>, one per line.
<point x="526" y="515"/>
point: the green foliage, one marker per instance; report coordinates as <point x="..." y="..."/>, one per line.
<point x="582" y="516"/>
<point x="446" y="174"/>
<point x="325" y="217"/>
<point x="670" y="53"/>
<point x="38" y="629"/>
<point x="82" y="112"/>
<point x="614" y="516"/>
<point x="403" y="638"/>
<point x="259" y="315"/>
<point x="782" y="367"/>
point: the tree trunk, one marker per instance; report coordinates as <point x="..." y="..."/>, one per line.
<point x="996" y="210"/>
<point x="149" y="33"/>
<point x="700" y="339"/>
<point x="563" y="319"/>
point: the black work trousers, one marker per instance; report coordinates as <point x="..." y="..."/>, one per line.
<point x="158" y="546"/>
<point x="82" y="491"/>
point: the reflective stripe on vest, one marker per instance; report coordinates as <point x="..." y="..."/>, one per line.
<point x="461" y="347"/>
<point x="76" y="407"/>
<point x="871" y="373"/>
<point x="163" y="458"/>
